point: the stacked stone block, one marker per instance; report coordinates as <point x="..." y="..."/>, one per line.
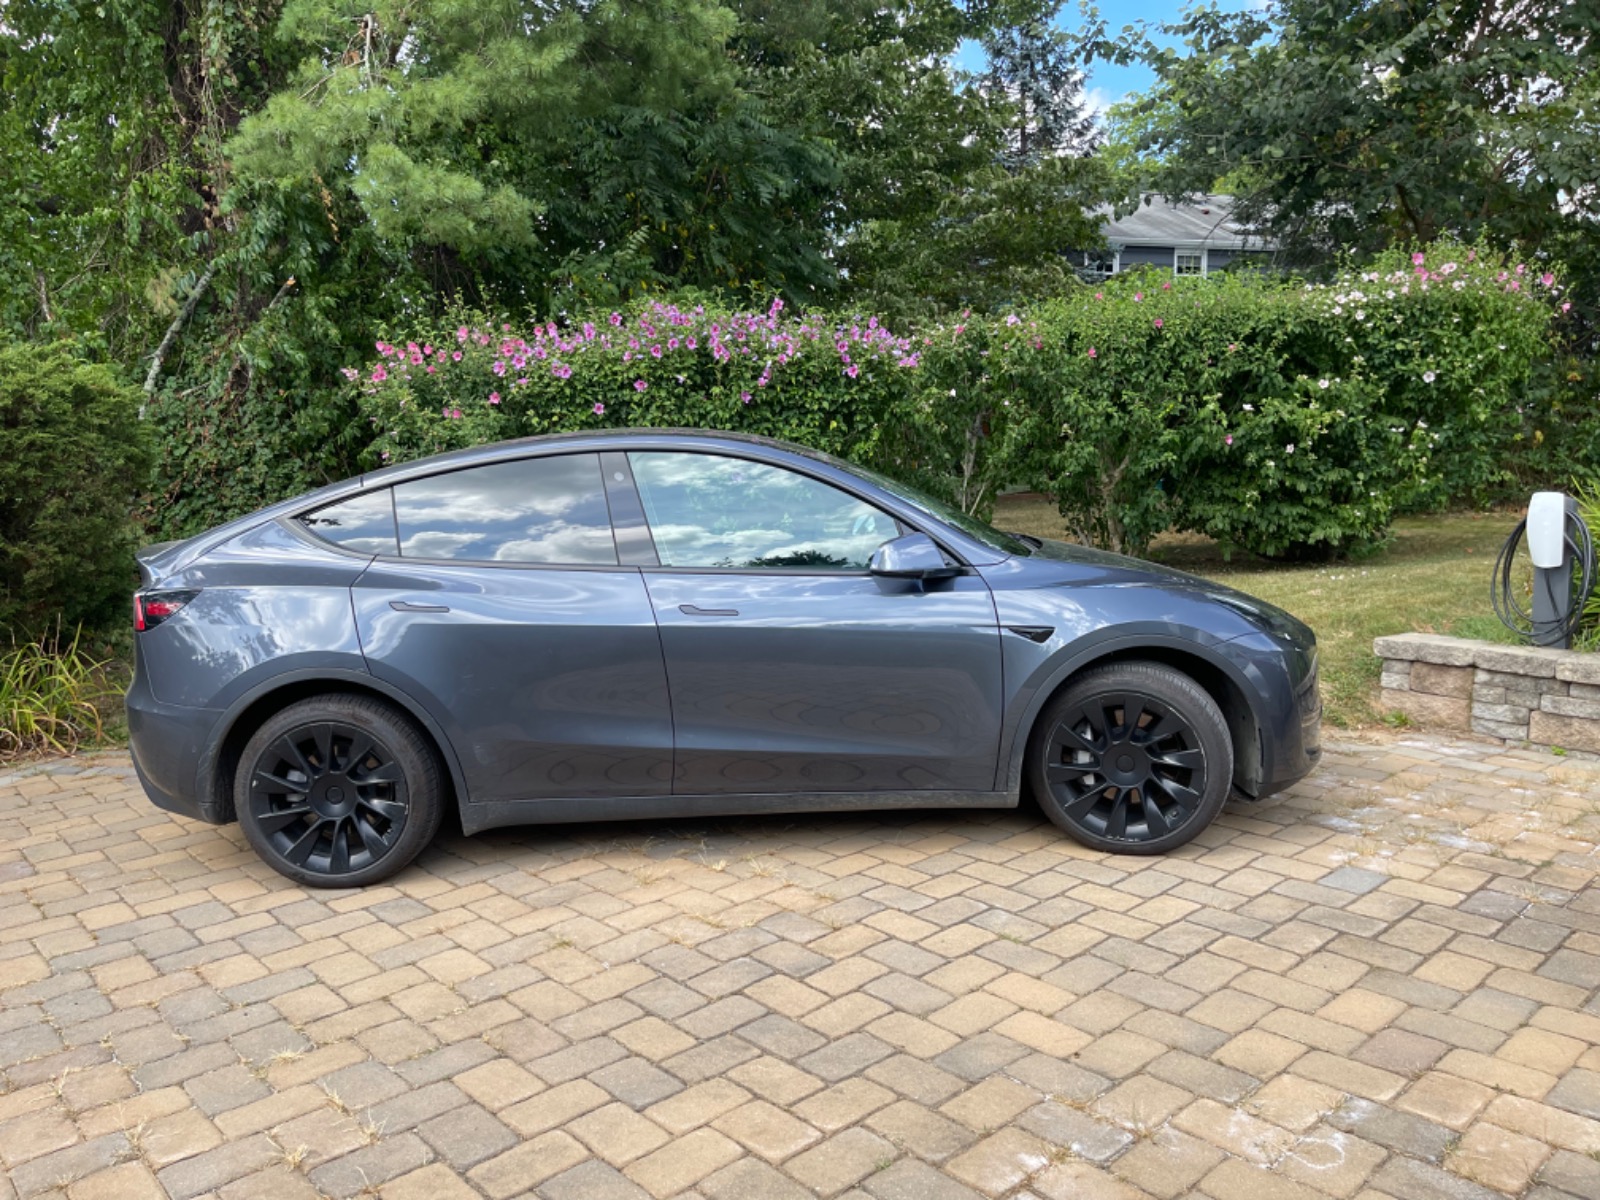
<point x="1517" y="693"/>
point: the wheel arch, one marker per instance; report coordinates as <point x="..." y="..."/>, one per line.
<point x="1221" y="679"/>
<point x="215" y="778"/>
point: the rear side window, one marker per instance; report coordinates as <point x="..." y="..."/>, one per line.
<point x="363" y="523"/>
<point x="533" y="510"/>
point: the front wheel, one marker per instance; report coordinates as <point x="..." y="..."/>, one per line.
<point x="1133" y="758"/>
<point x="338" y="791"/>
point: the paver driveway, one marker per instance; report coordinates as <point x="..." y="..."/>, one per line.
<point x="1381" y="984"/>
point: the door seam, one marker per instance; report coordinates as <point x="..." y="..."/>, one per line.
<point x="666" y="674"/>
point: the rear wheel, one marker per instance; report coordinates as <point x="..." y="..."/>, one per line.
<point x="1133" y="758"/>
<point x="338" y="791"/>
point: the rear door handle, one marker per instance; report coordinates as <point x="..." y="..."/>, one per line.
<point x="408" y="606"/>
<point x="694" y="610"/>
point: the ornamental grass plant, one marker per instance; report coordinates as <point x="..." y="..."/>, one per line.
<point x="50" y="698"/>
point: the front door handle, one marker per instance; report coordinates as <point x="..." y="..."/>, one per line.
<point x="408" y="606"/>
<point x="694" y="610"/>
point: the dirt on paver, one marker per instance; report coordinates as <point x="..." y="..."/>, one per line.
<point x="1382" y="983"/>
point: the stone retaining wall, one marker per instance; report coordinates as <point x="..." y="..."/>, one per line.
<point x="1519" y="693"/>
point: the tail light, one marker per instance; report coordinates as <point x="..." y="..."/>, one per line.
<point x="152" y="608"/>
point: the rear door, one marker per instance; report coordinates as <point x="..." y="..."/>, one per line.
<point x="791" y="668"/>
<point x="502" y="607"/>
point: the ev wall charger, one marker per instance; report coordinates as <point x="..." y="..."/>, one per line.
<point x="1547" y="529"/>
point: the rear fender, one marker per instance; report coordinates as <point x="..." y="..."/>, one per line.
<point x="213" y="770"/>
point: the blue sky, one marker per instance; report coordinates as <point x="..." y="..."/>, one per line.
<point x="1106" y="83"/>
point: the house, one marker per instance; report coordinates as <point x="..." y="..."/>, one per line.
<point x="1183" y="237"/>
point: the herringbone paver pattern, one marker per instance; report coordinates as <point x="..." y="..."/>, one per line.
<point x="1381" y="984"/>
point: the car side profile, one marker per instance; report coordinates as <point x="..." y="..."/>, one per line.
<point x="646" y="623"/>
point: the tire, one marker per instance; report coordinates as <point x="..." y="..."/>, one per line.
<point x="362" y="820"/>
<point x="1143" y="784"/>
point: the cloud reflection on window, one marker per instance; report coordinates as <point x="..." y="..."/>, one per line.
<point x="533" y="510"/>
<point x="710" y="511"/>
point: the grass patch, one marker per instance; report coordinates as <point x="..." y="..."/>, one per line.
<point x="1432" y="577"/>
<point x="54" y="698"/>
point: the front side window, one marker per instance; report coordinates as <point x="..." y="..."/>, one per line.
<point x="531" y="510"/>
<point x="1190" y="262"/>
<point x="363" y="523"/>
<point x="705" y="510"/>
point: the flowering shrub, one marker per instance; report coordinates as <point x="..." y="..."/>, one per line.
<point x="1289" y="419"/>
<point x="1455" y="337"/>
<point x="817" y="379"/>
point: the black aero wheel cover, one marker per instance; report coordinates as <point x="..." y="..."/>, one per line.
<point x="328" y="798"/>
<point x="1125" y="766"/>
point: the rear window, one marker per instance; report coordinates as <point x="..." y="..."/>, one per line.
<point x="363" y="523"/>
<point x="534" y="510"/>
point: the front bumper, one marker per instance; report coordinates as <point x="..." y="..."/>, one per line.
<point x="1299" y="742"/>
<point x="168" y="743"/>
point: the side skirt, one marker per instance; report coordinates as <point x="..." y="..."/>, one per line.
<point x="478" y="817"/>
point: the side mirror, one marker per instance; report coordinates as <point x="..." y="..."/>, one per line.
<point x="913" y="556"/>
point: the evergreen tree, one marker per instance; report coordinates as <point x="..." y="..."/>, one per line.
<point x="1032" y="64"/>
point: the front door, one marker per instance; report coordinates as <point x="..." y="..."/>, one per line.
<point x="791" y="669"/>
<point x="507" y="614"/>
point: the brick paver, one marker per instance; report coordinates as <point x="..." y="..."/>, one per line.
<point x="1380" y="984"/>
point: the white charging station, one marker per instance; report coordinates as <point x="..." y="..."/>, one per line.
<point x="1547" y="528"/>
<point x="1558" y="541"/>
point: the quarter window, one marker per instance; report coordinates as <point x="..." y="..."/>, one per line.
<point x="531" y="510"/>
<point x="363" y="523"/>
<point x="706" y="510"/>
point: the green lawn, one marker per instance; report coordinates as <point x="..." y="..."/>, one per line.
<point x="1432" y="578"/>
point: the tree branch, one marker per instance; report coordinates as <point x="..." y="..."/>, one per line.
<point x="44" y="298"/>
<point x="238" y="355"/>
<point x="178" y="322"/>
<point x="1410" y="213"/>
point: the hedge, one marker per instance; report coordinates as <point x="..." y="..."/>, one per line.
<point x="1286" y="418"/>
<point x="73" y="457"/>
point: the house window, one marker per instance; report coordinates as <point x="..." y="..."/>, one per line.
<point x="1189" y="262"/>
<point x="1097" y="266"/>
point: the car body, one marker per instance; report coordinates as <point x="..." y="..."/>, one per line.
<point x="647" y="623"/>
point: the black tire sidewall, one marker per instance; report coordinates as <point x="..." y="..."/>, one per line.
<point x="412" y="752"/>
<point x="1157" y="682"/>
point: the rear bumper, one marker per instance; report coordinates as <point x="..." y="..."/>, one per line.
<point x="168" y="743"/>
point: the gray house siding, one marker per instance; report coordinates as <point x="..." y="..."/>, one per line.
<point x="1146" y="256"/>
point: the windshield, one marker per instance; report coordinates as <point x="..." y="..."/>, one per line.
<point x="1006" y="543"/>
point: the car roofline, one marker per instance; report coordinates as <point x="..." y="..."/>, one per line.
<point x="451" y="460"/>
<point x="755" y="446"/>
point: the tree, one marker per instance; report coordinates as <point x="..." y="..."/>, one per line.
<point x="1033" y="64"/>
<point x="1361" y="123"/>
<point x="596" y="148"/>
<point x="963" y="191"/>
<point x="997" y="240"/>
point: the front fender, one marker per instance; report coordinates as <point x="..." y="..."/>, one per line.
<point x="1040" y="669"/>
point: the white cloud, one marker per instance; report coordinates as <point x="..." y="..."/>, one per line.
<point x="1098" y="100"/>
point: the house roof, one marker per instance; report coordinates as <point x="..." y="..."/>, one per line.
<point x="1160" y="222"/>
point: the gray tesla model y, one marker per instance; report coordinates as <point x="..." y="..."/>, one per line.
<point x="677" y="624"/>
